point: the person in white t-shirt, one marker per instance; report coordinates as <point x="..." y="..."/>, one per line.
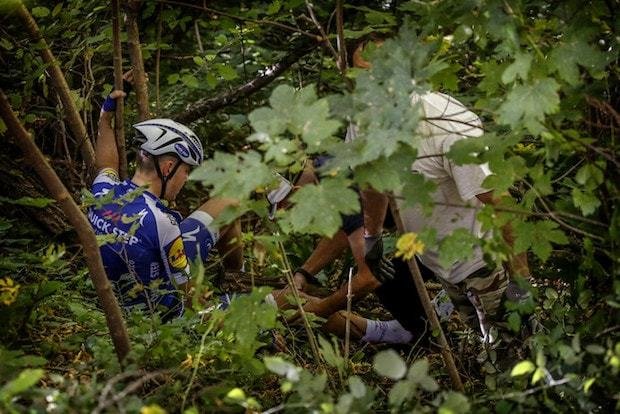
<point x="475" y="288"/>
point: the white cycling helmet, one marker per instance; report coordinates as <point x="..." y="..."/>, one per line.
<point x="165" y="136"/>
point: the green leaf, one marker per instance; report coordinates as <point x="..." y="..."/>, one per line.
<point x="190" y="81"/>
<point x="29" y="201"/>
<point x="330" y="353"/>
<point x="457" y="246"/>
<point x="519" y="68"/>
<point x="357" y="386"/>
<point x="538" y="375"/>
<point x="585" y="201"/>
<point x="283" y="368"/>
<point x="400" y="393"/>
<point x="492" y="79"/>
<point x="227" y="72"/>
<point x="454" y="403"/>
<point x="234" y="176"/>
<point x="591" y="174"/>
<point x="26" y="379"/>
<point x="274" y="7"/>
<point x="522" y="368"/>
<point x="173" y="78"/>
<point x="529" y="103"/>
<point x="568" y="56"/>
<point x="587" y="384"/>
<point x="318" y="207"/>
<point x="514" y="321"/>
<point x="40" y="11"/>
<point x="538" y="235"/>
<point x="390" y="364"/>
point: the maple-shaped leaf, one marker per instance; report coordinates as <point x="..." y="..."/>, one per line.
<point x="318" y="207"/>
<point x="529" y="103"/>
<point x="537" y="235"/>
<point x="234" y="176"/>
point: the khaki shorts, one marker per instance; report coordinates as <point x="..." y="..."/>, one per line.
<point x="478" y="298"/>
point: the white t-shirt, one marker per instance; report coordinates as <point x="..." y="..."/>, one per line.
<point x="446" y="121"/>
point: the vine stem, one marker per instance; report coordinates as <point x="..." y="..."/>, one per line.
<point x="197" y="363"/>
<point x="289" y="279"/>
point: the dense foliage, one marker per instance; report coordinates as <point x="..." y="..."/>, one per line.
<point x="543" y="76"/>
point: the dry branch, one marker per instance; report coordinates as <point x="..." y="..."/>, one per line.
<point x="202" y="107"/>
<point x="62" y="89"/>
<point x="119" y="130"/>
<point x="37" y="161"/>
<point x="446" y="352"/>
<point x="135" y="53"/>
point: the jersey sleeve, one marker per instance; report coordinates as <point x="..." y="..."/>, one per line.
<point x="172" y="250"/>
<point x="104" y="181"/>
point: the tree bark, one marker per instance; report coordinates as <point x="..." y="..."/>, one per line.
<point x="36" y="160"/>
<point x="119" y="130"/>
<point x="135" y="53"/>
<point x="446" y="352"/>
<point x="62" y="88"/>
<point x="202" y="107"/>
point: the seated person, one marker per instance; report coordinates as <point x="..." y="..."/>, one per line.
<point x="398" y="295"/>
<point x="146" y="254"/>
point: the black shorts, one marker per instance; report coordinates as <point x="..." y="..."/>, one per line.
<point x="400" y="297"/>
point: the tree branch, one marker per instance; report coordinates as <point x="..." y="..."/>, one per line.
<point x="37" y="161"/>
<point x="202" y="107"/>
<point x="62" y="89"/>
<point x="135" y="52"/>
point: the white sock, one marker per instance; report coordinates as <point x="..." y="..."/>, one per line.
<point x="391" y="332"/>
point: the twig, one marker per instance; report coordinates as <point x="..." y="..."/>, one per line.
<point x="321" y="30"/>
<point x="347" y="321"/>
<point x="289" y="278"/>
<point x="128" y="390"/>
<point x="244" y="19"/>
<point x="197" y="362"/>
<point x="555" y="218"/>
<point x="198" y="39"/>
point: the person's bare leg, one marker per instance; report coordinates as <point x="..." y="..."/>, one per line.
<point x="229" y="244"/>
<point x="336" y="325"/>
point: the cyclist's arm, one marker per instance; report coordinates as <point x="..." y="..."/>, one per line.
<point x="106" y="152"/>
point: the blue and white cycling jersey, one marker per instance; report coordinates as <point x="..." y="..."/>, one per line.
<point x="146" y="254"/>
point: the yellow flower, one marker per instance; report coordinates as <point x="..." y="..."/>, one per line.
<point x="188" y="363"/>
<point x="152" y="409"/>
<point x="408" y="246"/>
<point x="8" y="290"/>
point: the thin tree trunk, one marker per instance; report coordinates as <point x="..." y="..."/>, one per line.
<point x="37" y="160"/>
<point x="135" y="52"/>
<point x="119" y="130"/>
<point x="446" y="352"/>
<point x="62" y="89"/>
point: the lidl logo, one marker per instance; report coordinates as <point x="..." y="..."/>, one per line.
<point x="176" y="254"/>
